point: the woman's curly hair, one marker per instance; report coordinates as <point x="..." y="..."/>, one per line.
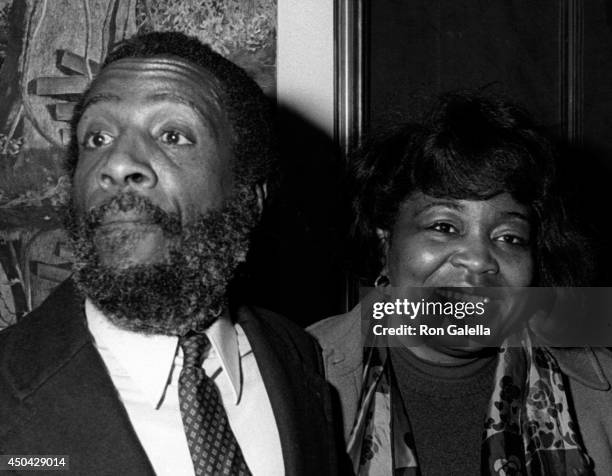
<point x="468" y="147"/>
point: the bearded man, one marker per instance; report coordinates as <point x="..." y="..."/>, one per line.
<point x="140" y="363"/>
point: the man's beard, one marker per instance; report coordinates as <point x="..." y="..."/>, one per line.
<point x="188" y="289"/>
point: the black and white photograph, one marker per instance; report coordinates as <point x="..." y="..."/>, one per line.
<point x="306" y="237"/>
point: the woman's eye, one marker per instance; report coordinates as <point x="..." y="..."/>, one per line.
<point x="443" y="228"/>
<point x="513" y="240"/>
<point x="175" y="138"/>
<point x="97" y="139"/>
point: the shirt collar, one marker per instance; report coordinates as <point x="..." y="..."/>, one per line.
<point x="224" y="338"/>
<point x="149" y="359"/>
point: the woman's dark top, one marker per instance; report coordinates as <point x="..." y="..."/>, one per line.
<point x="446" y="406"/>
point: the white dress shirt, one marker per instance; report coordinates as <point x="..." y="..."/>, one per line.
<point x="145" y="371"/>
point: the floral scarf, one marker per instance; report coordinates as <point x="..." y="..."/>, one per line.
<point x="528" y="430"/>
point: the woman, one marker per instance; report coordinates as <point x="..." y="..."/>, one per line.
<point x="467" y="199"/>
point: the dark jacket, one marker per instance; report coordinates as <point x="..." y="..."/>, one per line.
<point x="56" y="396"/>
<point x="588" y="372"/>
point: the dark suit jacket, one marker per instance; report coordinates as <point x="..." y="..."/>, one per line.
<point x="56" y="396"/>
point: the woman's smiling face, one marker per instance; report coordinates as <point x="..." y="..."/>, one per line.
<point x="456" y="243"/>
<point x="448" y="243"/>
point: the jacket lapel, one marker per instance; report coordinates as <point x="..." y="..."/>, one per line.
<point x="298" y="396"/>
<point x="585" y="364"/>
<point x="66" y="402"/>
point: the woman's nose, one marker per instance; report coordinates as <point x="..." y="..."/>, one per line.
<point x="476" y="256"/>
<point x="127" y="166"/>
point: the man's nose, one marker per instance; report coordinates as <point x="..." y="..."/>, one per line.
<point x="476" y="256"/>
<point x="127" y="166"/>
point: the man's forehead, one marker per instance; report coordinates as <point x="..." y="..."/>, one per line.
<point x="161" y="78"/>
<point x="171" y="75"/>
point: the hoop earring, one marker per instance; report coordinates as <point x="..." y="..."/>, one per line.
<point x="381" y="281"/>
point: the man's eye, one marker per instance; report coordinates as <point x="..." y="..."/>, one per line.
<point x="97" y="139"/>
<point x="443" y="228"/>
<point x="175" y="138"/>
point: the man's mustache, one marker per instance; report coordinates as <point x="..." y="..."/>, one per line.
<point x="131" y="202"/>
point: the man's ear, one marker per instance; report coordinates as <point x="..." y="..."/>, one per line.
<point x="383" y="243"/>
<point x="261" y="190"/>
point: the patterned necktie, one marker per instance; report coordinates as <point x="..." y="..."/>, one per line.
<point x="213" y="447"/>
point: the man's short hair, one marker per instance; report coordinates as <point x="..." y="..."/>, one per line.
<point x="247" y="108"/>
